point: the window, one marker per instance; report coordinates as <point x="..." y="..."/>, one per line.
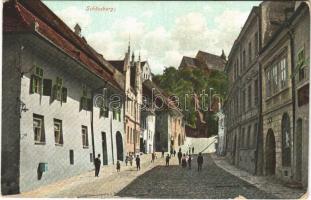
<point x="36" y="81"/>
<point x="301" y="65"/>
<point x="38" y="129"/>
<point x="249" y="96"/>
<point x="268" y="83"/>
<point x="58" y="132"/>
<point x="248" y="139"/>
<point x="85" y="103"/>
<point x="85" y="139"/>
<point x="255" y="135"/>
<point x="286" y="141"/>
<point x="274" y="79"/>
<point x="71" y="157"/>
<point x="128" y="134"/>
<point x="256" y="92"/>
<point x="131" y="137"/>
<point x="242" y="138"/>
<point x="59" y="92"/>
<point x="283" y="72"/>
<point x="303" y="95"/>
<point x="249" y="52"/>
<point x="256" y="44"/>
<point x="116" y="114"/>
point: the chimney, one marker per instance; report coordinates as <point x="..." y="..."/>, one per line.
<point x="77" y="29"/>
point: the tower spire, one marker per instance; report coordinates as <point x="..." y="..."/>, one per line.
<point x="129" y="45"/>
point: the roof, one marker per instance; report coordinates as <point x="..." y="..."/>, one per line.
<point x="118" y="64"/>
<point x="33" y="16"/>
<point x="211" y="59"/>
<point x="188" y="62"/>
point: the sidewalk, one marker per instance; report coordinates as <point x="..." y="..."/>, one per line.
<point x="85" y="185"/>
<point x="266" y="184"/>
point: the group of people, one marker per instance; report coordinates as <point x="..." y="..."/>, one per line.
<point x="128" y="158"/>
<point x="183" y="160"/>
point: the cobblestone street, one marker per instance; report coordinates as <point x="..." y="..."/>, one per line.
<point x="153" y="181"/>
<point x="176" y="182"/>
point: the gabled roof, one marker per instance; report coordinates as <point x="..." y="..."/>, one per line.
<point x="34" y="17"/>
<point x="118" y="64"/>
<point x="211" y="59"/>
<point x="188" y="62"/>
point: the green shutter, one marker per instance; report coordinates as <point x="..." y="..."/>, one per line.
<point x="47" y="87"/>
<point x="32" y="84"/>
<point x="64" y="94"/>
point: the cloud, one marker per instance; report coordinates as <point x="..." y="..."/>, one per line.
<point x="161" y="46"/>
<point x="72" y="15"/>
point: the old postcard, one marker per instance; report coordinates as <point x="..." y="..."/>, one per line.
<point x="154" y="99"/>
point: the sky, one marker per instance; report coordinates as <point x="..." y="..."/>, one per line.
<point x="162" y="32"/>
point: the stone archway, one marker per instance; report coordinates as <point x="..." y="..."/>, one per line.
<point x="119" y="142"/>
<point x="270" y="160"/>
<point x="299" y="150"/>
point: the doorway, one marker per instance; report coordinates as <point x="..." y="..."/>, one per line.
<point x="270" y="153"/>
<point x="299" y="150"/>
<point x="104" y="149"/>
<point x="119" y="146"/>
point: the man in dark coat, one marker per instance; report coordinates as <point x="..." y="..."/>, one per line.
<point x="192" y="150"/>
<point x="200" y="161"/>
<point x="179" y="155"/>
<point x="138" y="162"/>
<point x="97" y="165"/>
<point x="167" y="159"/>
<point x="174" y="153"/>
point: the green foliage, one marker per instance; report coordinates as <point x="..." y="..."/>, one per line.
<point x="191" y="81"/>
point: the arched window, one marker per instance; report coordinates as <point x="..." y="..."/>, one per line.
<point x="286" y="140"/>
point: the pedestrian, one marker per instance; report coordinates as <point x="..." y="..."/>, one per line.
<point x="131" y="159"/>
<point x="126" y="159"/>
<point x="174" y="153"/>
<point x="184" y="161"/>
<point x="189" y="161"/>
<point x="168" y="160"/>
<point x="162" y="153"/>
<point x="179" y="155"/>
<point x="118" y="166"/>
<point x="192" y="150"/>
<point x="189" y="150"/>
<point x="152" y="157"/>
<point x="97" y="165"/>
<point x="138" y="162"/>
<point x="200" y="161"/>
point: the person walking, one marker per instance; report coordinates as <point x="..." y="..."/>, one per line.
<point x="118" y="166"/>
<point x="179" y="155"/>
<point x="192" y="150"/>
<point x="97" y="165"/>
<point x="138" y="162"/>
<point x="152" y="157"/>
<point x="174" y="153"/>
<point x="184" y="161"/>
<point x="200" y="161"/>
<point x="168" y="160"/>
<point x="162" y="153"/>
<point x="189" y="161"/>
<point x="126" y="159"/>
<point x="131" y="159"/>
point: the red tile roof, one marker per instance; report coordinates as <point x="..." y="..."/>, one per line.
<point x="21" y="15"/>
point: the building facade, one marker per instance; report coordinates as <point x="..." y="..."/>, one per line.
<point x="221" y="141"/>
<point x="285" y="72"/>
<point x="244" y="103"/>
<point x="131" y="69"/>
<point x="51" y="127"/>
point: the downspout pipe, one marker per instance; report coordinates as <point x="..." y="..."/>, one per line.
<point x="292" y="55"/>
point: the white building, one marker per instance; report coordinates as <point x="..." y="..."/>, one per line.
<point x="221" y="133"/>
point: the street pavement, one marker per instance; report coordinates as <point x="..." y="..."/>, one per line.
<point x="177" y="182"/>
<point x="155" y="180"/>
